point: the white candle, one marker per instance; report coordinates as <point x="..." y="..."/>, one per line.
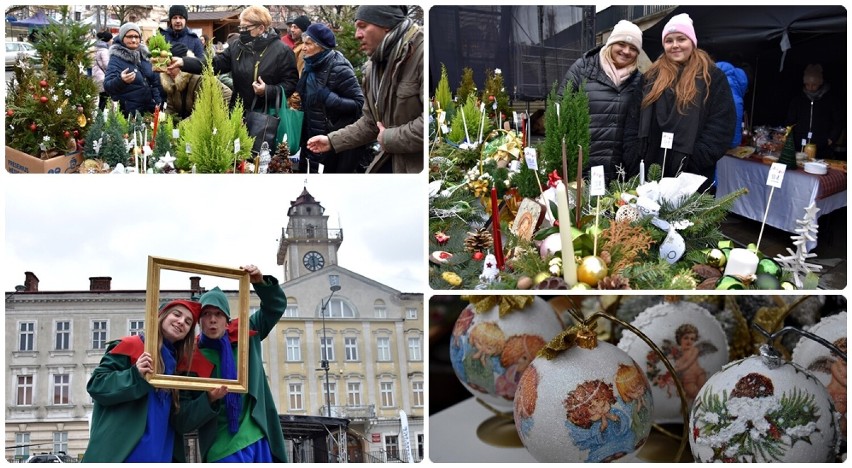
<point x="481" y="122"/>
<point x="741" y="262"/>
<point x="464" y="122"/>
<point x="569" y="265"/>
<point x="641" y="172"/>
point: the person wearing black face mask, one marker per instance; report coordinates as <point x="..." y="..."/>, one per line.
<point x="261" y="65"/>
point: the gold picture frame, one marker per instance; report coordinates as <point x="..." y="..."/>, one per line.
<point x="152" y="330"/>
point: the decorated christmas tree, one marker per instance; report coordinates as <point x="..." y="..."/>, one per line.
<point x="468" y="117"/>
<point x="494" y="96"/>
<point x="570" y="120"/>
<point x="47" y="107"/>
<point x="212" y="139"/>
<point x="113" y="140"/>
<point x="788" y="153"/>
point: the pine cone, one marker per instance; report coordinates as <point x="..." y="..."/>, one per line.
<point x="479" y="241"/>
<point x="614" y="282"/>
<point x="553" y="282"/>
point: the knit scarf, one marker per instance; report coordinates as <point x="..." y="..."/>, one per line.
<point x="228" y="371"/>
<point x="309" y="78"/>
<point x="617" y="75"/>
<point x="384" y="57"/>
<point x="167" y="353"/>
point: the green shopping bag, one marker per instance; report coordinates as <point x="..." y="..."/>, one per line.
<point x="290" y="124"/>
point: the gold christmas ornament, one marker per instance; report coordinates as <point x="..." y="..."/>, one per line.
<point x="591" y="270"/>
<point x="716" y="258"/>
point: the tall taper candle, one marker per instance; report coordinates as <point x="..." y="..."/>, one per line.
<point x="641" y="172"/>
<point x="569" y="265"/>
<point x="578" y="211"/>
<point x="495" y="226"/>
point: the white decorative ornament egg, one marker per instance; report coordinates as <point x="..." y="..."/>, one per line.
<point x="760" y="410"/>
<point x="494" y="340"/>
<point x="584" y="405"/>
<point x="694" y="343"/>
<point x="627" y="213"/>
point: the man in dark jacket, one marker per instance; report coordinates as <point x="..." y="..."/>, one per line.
<point x="393" y="83"/>
<point x="177" y="31"/>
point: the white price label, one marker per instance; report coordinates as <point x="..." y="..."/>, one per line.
<point x="776" y="175"/>
<point x="188" y="149"/>
<point x="320" y="168"/>
<point x="236" y="145"/>
<point x="666" y="141"/>
<point x="530" y="158"/>
<point x="175" y="134"/>
<point x="515" y="118"/>
<point x="598" y="186"/>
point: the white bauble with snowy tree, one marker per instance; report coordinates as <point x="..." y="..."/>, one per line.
<point x="761" y="410"/>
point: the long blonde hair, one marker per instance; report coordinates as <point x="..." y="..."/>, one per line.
<point x="664" y="74"/>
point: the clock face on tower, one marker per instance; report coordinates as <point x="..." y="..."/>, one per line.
<point x="313" y="260"/>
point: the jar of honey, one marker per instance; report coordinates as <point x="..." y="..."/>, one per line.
<point x="810" y="150"/>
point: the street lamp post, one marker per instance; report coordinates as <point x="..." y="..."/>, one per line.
<point x="334" y="282"/>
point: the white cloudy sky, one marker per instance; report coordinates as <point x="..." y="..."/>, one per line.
<point x="66" y="229"/>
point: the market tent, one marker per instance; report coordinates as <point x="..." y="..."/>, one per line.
<point x="36" y="21"/>
<point x="758" y="36"/>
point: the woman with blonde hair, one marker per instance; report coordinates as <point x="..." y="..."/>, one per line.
<point x="610" y="76"/>
<point x="263" y="68"/>
<point x="686" y="95"/>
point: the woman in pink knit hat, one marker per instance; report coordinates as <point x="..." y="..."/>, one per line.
<point x="685" y="94"/>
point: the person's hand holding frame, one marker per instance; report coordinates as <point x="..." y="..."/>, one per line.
<point x="152" y="330"/>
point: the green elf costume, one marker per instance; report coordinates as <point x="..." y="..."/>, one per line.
<point x="133" y="421"/>
<point x="241" y="427"/>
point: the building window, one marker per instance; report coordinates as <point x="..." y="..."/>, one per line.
<point x="340" y="309"/>
<point x="22" y="442"/>
<point x="63" y="336"/>
<point x="392" y="447"/>
<point x="296" y="396"/>
<point x="294" y="349"/>
<point x="331" y="395"/>
<point x="311" y="230"/>
<point x="381" y="312"/>
<point x="99" y="334"/>
<point x="137" y="327"/>
<point x="383" y="345"/>
<point x="61" y="389"/>
<point x="351" y="346"/>
<point x="24" y="390"/>
<point x="353" y="393"/>
<point x="420" y="443"/>
<point x="327" y="349"/>
<point x="60" y="442"/>
<point x="292" y="310"/>
<point x="414" y="352"/>
<point x="417" y="388"/>
<point x="411" y="313"/>
<point x="26" y="337"/>
<point x="387" y="394"/>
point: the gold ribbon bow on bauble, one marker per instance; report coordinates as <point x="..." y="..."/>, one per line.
<point x="506" y="304"/>
<point x="583" y="336"/>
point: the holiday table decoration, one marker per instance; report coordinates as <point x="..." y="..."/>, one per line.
<point x="161" y="52"/>
<point x="493" y="341"/>
<point x="764" y="409"/>
<point x="584" y="400"/>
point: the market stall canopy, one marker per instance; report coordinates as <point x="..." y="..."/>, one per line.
<point x="774" y="42"/>
<point x="39" y="19"/>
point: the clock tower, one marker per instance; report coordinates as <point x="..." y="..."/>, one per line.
<point x="307" y="245"/>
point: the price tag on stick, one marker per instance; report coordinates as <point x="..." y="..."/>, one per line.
<point x="774" y="180"/>
<point x="666" y="144"/>
<point x="598" y="186"/>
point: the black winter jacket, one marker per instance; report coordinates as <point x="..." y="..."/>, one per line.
<point x="716" y="121"/>
<point x="608" y="107"/>
<point x="333" y="103"/>
<point x="277" y="66"/>
<point x="144" y="93"/>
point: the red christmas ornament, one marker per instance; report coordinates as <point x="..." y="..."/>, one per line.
<point x="441" y="238"/>
<point x="66" y="134"/>
<point x="43" y="99"/>
<point x="478" y="256"/>
<point x="43" y="83"/>
<point x="33" y="127"/>
<point x="10" y="112"/>
<point x="76" y="133"/>
<point x="490" y="98"/>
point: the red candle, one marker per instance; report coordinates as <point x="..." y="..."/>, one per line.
<point x="495" y="225"/>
